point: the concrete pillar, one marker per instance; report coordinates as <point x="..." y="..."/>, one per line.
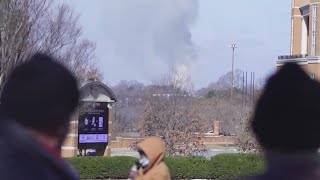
<point x="107" y="151"/>
<point x="70" y="146"/>
<point x="216" y="127"/>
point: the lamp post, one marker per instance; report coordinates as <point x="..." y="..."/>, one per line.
<point x="233" y="46"/>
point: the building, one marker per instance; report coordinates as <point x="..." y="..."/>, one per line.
<point x="305" y="37"/>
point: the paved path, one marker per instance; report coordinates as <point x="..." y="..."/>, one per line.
<point x="210" y="153"/>
<point x="124" y="152"/>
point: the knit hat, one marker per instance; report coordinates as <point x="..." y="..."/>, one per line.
<point x="287" y="115"/>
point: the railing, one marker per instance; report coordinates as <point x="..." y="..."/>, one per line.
<point x="292" y="56"/>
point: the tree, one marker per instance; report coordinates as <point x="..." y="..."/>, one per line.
<point x="223" y="110"/>
<point x="129" y="89"/>
<point x="245" y="139"/>
<point x="211" y="94"/>
<point x="128" y="109"/>
<point x="171" y="112"/>
<point x="225" y="81"/>
<point x="29" y="26"/>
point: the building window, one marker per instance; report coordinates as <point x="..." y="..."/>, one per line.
<point x="291" y="43"/>
<point x="314" y="29"/>
<point x="305" y="34"/>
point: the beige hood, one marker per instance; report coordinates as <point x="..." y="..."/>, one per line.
<point x="155" y="150"/>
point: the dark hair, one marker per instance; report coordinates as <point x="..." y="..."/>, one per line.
<point x="287" y="115"/>
<point x="40" y="94"/>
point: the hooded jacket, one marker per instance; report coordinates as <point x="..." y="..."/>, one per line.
<point x="154" y="148"/>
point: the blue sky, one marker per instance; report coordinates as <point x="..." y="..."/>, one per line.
<point x="260" y="28"/>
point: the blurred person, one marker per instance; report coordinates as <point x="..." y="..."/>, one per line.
<point x="150" y="166"/>
<point x="37" y="102"/>
<point x="287" y="125"/>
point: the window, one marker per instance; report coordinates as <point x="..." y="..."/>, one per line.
<point x="291" y="44"/>
<point x="304" y="39"/>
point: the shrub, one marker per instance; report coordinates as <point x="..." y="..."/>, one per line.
<point x="188" y="167"/>
<point x="233" y="166"/>
<point x="103" y="167"/>
<point x="220" y="167"/>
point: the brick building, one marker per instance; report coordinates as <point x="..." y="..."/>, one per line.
<point x="305" y="37"/>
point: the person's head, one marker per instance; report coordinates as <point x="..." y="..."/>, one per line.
<point x="152" y="151"/>
<point x="287" y="115"/>
<point x="41" y="95"/>
<point x="143" y="159"/>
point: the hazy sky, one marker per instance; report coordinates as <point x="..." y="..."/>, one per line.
<point x="142" y="39"/>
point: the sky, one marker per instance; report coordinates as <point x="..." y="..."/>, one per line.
<point x="143" y="39"/>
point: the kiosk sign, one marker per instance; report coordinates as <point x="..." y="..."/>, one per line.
<point x="93" y="126"/>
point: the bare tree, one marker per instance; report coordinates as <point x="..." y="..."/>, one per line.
<point x="245" y="139"/>
<point x="216" y="106"/>
<point x="16" y="20"/>
<point x="171" y="112"/>
<point x="129" y="89"/>
<point x="128" y="109"/>
<point x="80" y="59"/>
<point x="29" y="26"/>
<point x="119" y="122"/>
<point x="221" y="109"/>
<point x="225" y="81"/>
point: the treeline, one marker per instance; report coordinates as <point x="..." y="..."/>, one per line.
<point x="172" y="109"/>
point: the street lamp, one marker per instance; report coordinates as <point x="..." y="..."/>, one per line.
<point x="233" y="46"/>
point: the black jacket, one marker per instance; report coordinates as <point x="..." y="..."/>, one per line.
<point x="21" y="157"/>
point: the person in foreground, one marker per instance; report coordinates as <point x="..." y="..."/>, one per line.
<point x="150" y="166"/>
<point x="287" y="125"/>
<point x="37" y="102"/>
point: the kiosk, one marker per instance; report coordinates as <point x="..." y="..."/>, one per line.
<point x="91" y="124"/>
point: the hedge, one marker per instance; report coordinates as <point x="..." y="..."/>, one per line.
<point x="220" y="167"/>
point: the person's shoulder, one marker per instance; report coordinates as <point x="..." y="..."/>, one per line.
<point x="15" y="164"/>
<point x="162" y="170"/>
<point x="21" y="156"/>
<point x="163" y="166"/>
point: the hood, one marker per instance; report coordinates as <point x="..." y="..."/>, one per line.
<point x="154" y="148"/>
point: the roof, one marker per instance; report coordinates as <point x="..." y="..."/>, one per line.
<point x="111" y="97"/>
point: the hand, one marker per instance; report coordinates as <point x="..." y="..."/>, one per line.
<point x="133" y="175"/>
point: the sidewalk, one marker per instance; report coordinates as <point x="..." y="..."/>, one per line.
<point x="124" y="152"/>
<point x="212" y="151"/>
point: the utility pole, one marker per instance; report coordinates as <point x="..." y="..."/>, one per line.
<point x="243" y="90"/>
<point x="251" y="76"/>
<point x="253" y="88"/>
<point x="233" y="47"/>
<point x="246" y="90"/>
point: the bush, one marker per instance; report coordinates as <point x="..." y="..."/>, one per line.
<point x="233" y="166"/>
<point x="220" y="167"/>
<point x="103" y="167"/>
<point x="188" y="167"/>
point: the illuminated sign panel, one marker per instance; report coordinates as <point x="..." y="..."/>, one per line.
<point x="93" y="126"/>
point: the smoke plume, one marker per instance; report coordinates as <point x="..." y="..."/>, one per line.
<point x="154" y="34"/>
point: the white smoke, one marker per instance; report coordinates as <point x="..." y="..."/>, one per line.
<point x="154" y="34"/>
